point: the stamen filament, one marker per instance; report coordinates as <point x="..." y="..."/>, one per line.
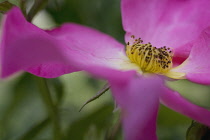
<point x="149" y="58"/>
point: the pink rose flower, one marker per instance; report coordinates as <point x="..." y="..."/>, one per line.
<point x="136" y="71"/>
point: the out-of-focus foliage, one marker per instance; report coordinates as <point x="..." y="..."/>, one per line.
<point x="198" y="94"/>
<point x="23" y="115"/>
<point x="5" y="6"/>
<point x="103" y="15"/>
<point x="198" y="131"/>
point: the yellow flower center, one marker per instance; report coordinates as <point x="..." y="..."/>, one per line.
<point x="149" y="58"/>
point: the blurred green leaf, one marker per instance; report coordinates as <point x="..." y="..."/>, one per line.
<point x="35" y="130"/>
<point x="50" y="106"/>
<point x="169" y="117"/>
<point x="198" y="131"/>
<point x="56" y="87"/>
<point x="195" y="93"/>
<point x="5" y="6"/>
<point x="103" y="15"/>
<point x="99" y="119"/>
<point x="171" y="125"/>
<point x="20" y="92"/>
<point x="93" y="82"/>
<point x="23" y="6"/>
<point x="115" y="131"/>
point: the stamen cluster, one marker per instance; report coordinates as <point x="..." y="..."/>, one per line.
<point x="150" y="59"/>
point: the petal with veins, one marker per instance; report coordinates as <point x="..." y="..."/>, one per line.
<point x="53" y="53"/>
<point x="138" y="97"/>
<point x="170" y="23"/>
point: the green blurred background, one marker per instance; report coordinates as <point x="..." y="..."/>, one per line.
<point x="23" y="115"/>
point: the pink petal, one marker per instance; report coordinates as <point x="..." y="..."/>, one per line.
<point x="173" y="100"/>
<point x="138" y="97"/>
<point x="90" y="47"/>
<point x="24" y="46"/>
<point x="180" y="54"/>
<point x="197" y="66"/>
<point x="109" y="73"/>
<point x="53" y="53"/>
<point x="170" y="23"/>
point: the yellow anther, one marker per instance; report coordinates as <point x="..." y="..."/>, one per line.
<point x="149" y="58"/>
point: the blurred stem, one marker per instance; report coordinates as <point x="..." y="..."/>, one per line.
<point x="50" y="106"/>
<point x="115" y="131"/>
<point x="38" y="5"/>
<point x="23" y="7"/>
<point x="42" y="83"/>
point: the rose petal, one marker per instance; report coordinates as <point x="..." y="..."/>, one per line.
<point x="180" y="54"/>
<point x="175" y="101"/>
<point x="109" y="73"/>
<point x="138" y="97"/>
<point x="91" y="47"/>
<point x="197" y="66"/>
<point x="53" y="53"/>
<point x="170" y="23"/>
<point x="24" y="45"/>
